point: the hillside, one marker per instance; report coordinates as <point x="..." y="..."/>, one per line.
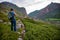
<point x="39" y="30"/>
<point x="51" y="11"/>
<point x="5" y="7"/>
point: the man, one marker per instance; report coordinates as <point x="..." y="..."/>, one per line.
<point x="11" y="16"/>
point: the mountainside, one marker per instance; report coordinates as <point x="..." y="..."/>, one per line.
<point x="5" y="7"/>
<point x="51" y="11"/>
<point x="32" y="30"/>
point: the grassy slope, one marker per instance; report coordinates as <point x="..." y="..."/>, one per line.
<point x="6" y="34"/>
<point x="40" y="31"/>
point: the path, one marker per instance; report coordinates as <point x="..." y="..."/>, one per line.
<point x="20" y="25"/>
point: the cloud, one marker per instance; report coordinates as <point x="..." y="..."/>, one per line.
<point x="58" y="1"/>
<point x="26" y="2"/>
<point x="37" y="6"/>
<point x="6" y="0"/>
<point x="32" y="5"/>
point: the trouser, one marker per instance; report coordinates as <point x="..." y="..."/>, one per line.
<point x="13" y="25"/>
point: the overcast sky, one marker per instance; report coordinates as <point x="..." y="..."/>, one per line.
<point x="31" y="5"/>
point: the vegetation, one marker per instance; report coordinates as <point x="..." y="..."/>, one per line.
<point x="3" y="17"/>
<point x="6" y="34"/>
<point x="40" y="30"/>
<point x="54" y="19"/>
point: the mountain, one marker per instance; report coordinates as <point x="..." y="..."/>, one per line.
<point x="32" y="29"/>
<point x="51" y="11"/>
<point x="6" y="6"/>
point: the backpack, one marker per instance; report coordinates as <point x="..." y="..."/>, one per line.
<point x="9" y="16"/>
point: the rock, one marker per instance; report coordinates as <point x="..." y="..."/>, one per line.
<point x="1" y="20"/>
<point x="18" y="25"/>
<point x="19" y="38"/>
<point x="5" y="22"/>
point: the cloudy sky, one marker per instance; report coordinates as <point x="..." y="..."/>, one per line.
<point x="32" y="5"/>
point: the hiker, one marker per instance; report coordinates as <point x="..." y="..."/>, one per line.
<point x="11" y="16"/>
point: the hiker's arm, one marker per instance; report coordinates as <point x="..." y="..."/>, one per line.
<point x="15" y="14"/>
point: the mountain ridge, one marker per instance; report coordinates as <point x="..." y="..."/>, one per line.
<point x="50" y="8"/>
<point x="5" y="8"/>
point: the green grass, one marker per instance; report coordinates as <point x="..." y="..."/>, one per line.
<point x="6" y="34"/>
<point x="53" y="19"/>
<point x="3" y="17"/>
<point x="40" y="30"/>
